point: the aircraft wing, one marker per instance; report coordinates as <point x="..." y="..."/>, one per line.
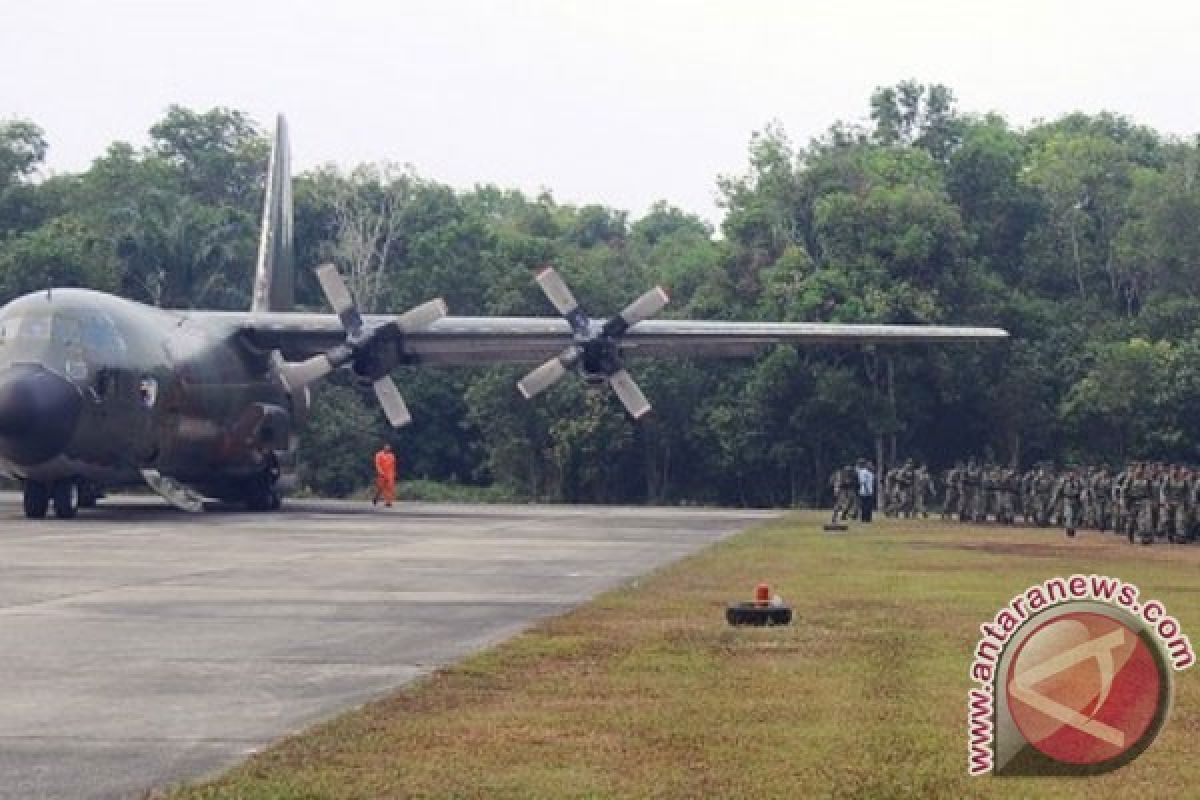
<point x="484" y="340"/>
<point x="304" y="348"/>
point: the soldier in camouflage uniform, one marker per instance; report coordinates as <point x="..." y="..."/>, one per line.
<point x="1155" y="475"/>
<point x="1069" y="491"/>
<point x="991" y="486"/>
<point x="845" y="487"/>
<point x="1101" y="490"/>
<point x="1043" y="496"/>
<point x="922" y="489"/>
<point x="953" y="497"/>
<point x="905" y="478"/>
<point x="1008" y="487"/>
<point x="1087" y="518"/>
<point x="1194" y="505"/>
<point x="1139" y="501"/>
<point x="1175" y="504"/>
<point x="1120" y="515"/>
<point x="972" y="493"/>
<point x="891" y="493"/>
<point x="1027" y="506"/>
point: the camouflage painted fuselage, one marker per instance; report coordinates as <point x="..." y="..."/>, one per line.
<point x="156" y="390"/>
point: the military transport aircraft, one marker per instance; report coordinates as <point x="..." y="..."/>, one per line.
<point x="97" y="391"/>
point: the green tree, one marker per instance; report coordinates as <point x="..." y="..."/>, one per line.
<point x="1116" y="406"/>
<point x="220" y="154"/>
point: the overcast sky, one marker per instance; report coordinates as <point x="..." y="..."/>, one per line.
<point x="607" y="101"/>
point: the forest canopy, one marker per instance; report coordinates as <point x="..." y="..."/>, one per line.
<point x="1079" y="235"/>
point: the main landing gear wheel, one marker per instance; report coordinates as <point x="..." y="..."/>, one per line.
<point x="66" y="499"/>
<point x="262" y="495"/>
<point x="36" y="500"/>
<point x="88" y="495"/>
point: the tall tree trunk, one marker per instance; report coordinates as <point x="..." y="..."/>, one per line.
<point x="879" y="471"/>
<point x="819" y="482"/>
<point x="891" y="391"/>
<point x="1078" y="261"/>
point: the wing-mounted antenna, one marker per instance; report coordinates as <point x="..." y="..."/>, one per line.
<point x="274" y="280"/>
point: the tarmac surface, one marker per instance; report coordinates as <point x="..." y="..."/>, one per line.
<point x="141" y="646"/>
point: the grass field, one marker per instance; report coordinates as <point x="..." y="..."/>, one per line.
<point x="647" y="693"/>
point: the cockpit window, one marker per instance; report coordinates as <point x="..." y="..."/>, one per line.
<point x="100" y="334"/>
<point x="67" y="331"/>
<point x="95" y="331"/>
<point x="30" y="327"/>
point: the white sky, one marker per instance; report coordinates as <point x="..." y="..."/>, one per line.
<point x="605" y="101"/>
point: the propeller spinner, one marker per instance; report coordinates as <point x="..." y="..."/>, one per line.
<point x="364" y="346"/>
<point x="596" y="352"/>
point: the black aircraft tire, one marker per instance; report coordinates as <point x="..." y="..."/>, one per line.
<point x="66" y="499"/>
<point x="88" y="497"/>
<point x="751" y="614"/>
<point x="36" y="500"/>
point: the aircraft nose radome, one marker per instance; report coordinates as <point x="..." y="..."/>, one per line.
<point x="38" y="412"/>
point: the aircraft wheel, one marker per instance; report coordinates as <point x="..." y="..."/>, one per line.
<point x="89" y="493"/>
<point x="66" y="499"/>
<point x="36" y="500"/>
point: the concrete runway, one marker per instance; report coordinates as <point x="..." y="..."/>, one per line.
<point x="141" y="646"/>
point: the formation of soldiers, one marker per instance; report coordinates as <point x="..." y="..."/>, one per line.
<point x="1144" y="501"/>
<point x="907" y="490"/>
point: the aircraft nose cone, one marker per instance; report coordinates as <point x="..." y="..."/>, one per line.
<point x="38" y="412"/>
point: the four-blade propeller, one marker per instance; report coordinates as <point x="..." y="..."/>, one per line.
<point x="594" y="349"/>
<point x="372" y="350"/>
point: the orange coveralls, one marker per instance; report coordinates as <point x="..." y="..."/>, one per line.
<point x="385" y="477"/>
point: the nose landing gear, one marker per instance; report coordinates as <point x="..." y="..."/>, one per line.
<point x="36" y="500"/>
<point x="66" y="498"/>
<point x="63" y="493"/>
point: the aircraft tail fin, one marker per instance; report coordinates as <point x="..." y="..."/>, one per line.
<point x="274" y="278"/>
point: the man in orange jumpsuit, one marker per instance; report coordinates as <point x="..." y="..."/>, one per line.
<point x="385" y="476"/>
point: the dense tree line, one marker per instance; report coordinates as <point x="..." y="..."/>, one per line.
<point x="1079" y="235"/>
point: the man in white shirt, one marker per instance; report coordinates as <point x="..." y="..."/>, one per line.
<point x="866" y="489"/>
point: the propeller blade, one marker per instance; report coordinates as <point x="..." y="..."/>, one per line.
<point x="541" y="378"/>
<point x="630" y="394"/>
<point x="423" y="315"/>
<point x="556" y="289"/>
<point x="644" y="307"/>
<point x="339" y="297"/>
<point x="296" y="375"/>
<point x="393" y="404"/>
